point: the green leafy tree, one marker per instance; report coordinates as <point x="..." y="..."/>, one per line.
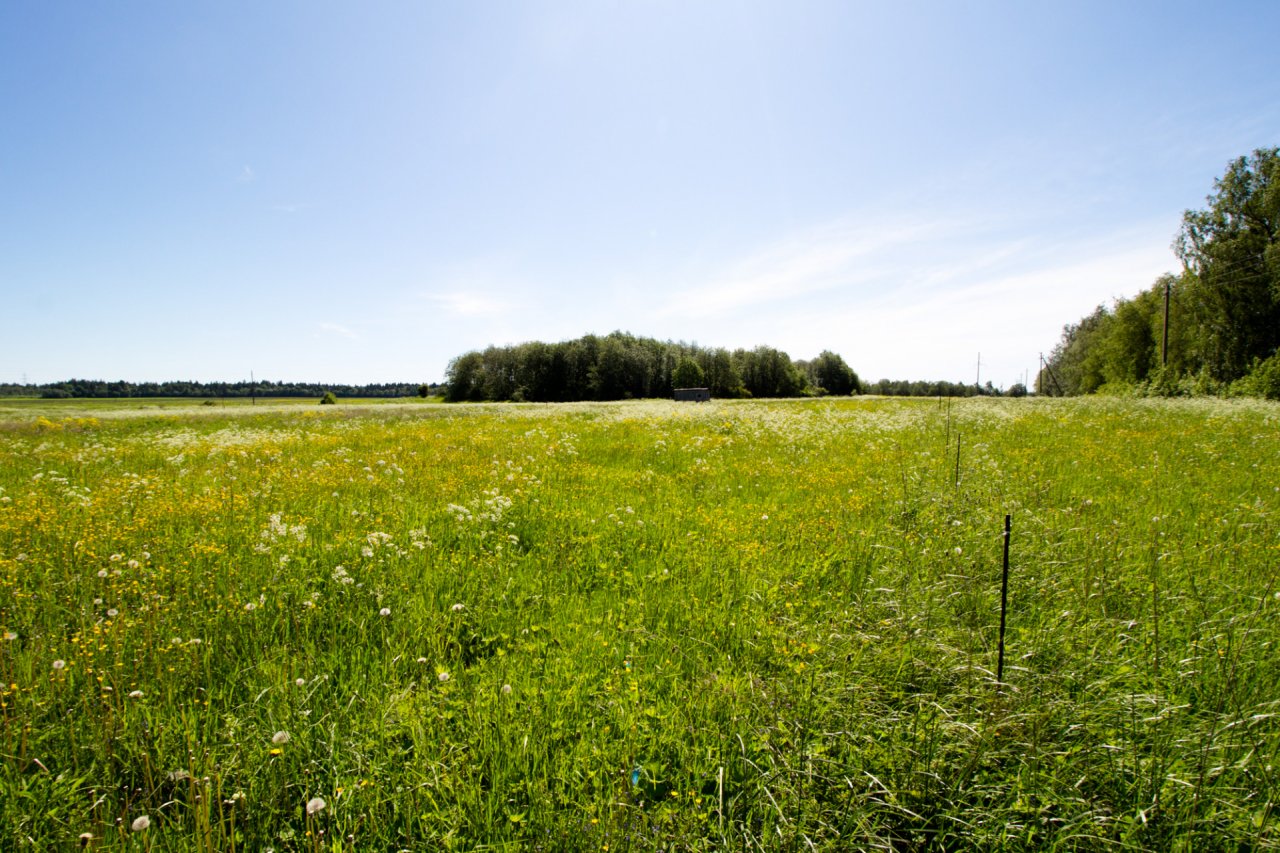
<point x="830" y="373"/>
<point x="687" y="374"/>
<point x="1232" y="249"/>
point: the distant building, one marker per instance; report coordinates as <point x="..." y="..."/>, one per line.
<point x="693" y="395"/>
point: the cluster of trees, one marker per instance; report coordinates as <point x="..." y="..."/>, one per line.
<point x="921" y="388"/>
<point x="1223" y="325"/>
<point x="621" y="366"/>
<point x="99" y="388"/>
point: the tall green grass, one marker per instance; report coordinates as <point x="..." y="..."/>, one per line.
<point x="641" y="626"/>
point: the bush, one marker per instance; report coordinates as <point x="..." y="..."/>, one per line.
<point x="328" y="399"/>
<point x="1262" y="380"/>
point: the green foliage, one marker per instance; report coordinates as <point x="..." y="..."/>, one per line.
<point x="619" y="366"/>
<point x="687" y="374"/>
<point x="1224" y="308"/>
<point x="1262" y="380"/>
<point x="829" y="373"/>
<point x="328" y="399"/>
<point x="97" y="388"/>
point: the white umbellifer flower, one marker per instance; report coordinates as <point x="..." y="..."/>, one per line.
<point x="300" y="681"/>
<point x="458" y="607"/>
<point x="443" y="676"/>
<point x="959" y="550"/>
<point x="386" y="611"/>
<point x="315" y="804"/>
<point x="59" y="664"/>
<point x="140" y="823"/>
<point x="135" y="694"/>
<point x="422" y="660"/>
<point x="251" y="606"/>
<point x="280" y="737"/>
<point x="102" y="573"/>
<point x="764" y="517"/>
<point x="506" y="688"/>
<point x="112" y="613"/>
<point x="133" y="564"/>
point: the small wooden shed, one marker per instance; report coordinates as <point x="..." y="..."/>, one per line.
<point x="693" y="395"/>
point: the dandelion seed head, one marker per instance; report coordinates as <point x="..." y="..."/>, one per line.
<point x="443" y="676"/>
<point x="59" y="664"/>
<point x="315" y="804"/>
<point x="140" y="823"/>
<point x="102" y="573"/>
<point x="135" y="694"/>
<point x="112" y="613"/>
<point x="458" y="607"/>
<point x="280" y="737"/>
<point x="506" y="688"/>
<point x="386" y="611"/>
<point x="300" y="681"/>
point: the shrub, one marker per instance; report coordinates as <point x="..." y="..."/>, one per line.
<point x="328" y="399"/>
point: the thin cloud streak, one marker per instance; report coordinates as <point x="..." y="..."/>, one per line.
<point x="338" y="330"/>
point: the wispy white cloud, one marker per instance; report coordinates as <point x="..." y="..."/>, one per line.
<point x="246" y="176"/>
<point x="338" y="330"/>
<point x="471" y="304"/>
<point x="838" y="255"/>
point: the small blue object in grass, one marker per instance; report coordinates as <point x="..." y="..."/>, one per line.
<point x="635" y="776"/>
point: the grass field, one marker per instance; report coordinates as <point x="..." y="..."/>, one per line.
<point x="640" y="626"/>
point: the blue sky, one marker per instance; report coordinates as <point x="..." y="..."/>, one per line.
<point x="359" y="192"/>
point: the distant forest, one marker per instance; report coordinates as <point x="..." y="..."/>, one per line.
<point x="211" y="390"/>
<point x="1223" y="325"/>
<point x="622" y="366"/>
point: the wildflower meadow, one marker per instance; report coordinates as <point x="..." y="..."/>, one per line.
<point x="640" y="626"/>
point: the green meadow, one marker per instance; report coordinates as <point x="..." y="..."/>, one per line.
<point x="640" y="626"/>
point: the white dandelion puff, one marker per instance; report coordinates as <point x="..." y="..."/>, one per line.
<point x="386" y="611"/>
<point x="59" y="664"/>
<point x="315" y="804"/>
<point x="280" y="737"/>
<point x="140" y="823"/>
<point x="458" y="607"/>
<point x="443" y="676"/>
<point x="135" y="694"/>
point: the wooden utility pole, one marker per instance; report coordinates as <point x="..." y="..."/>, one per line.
<point x="1164" y="347"/>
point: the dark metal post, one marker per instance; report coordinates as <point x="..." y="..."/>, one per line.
<point x="1004" y="600"/>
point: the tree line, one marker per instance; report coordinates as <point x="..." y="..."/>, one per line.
<point x="1223" y="308"/>
<point x="622" y="366"/>
<point x="102" y="389"/>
